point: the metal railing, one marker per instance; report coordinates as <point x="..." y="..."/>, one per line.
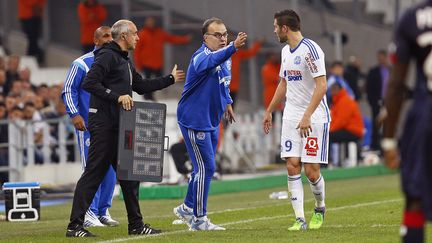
<point x="244" y="146"/>
<point x="58" y="144"/>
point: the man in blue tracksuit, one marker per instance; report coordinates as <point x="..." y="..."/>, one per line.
<point x="204" y="100"/>
<point x="77" y="105"/>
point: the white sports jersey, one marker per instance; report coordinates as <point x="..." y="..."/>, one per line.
<point x="299" y="67"/>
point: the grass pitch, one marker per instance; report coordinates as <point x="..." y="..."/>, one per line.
<point x="368" y="209"/>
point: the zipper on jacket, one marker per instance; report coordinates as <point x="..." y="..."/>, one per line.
<point x="130" y="74"/>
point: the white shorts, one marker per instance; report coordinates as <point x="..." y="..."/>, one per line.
<point x="313" y="149"/>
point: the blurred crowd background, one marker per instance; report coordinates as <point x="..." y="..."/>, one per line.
<point x="40" y="38"/>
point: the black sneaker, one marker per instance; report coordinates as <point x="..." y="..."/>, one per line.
<point x="79" y="232"/>
<point x="144" y="230"/>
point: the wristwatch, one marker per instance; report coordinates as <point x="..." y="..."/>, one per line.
<point x="388" y="144"/>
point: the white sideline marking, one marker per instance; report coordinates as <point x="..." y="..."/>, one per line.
<point x="267" y="218"/>
<point x="340" y="226"/>
<point x="285" y="202"/>
<point x="282" y="203"/>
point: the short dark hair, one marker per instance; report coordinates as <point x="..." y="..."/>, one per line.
<point x="29" y="104"/>
<point x="16" y="108"/>
<point x="382" y="52"/>
<point x="336" y="63"/>
<point x="337" y="85"/>
<point x="208" y="22"/>
<point x="289" y="18"/>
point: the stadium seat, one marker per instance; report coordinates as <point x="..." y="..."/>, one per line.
<point x="29" y="62"/>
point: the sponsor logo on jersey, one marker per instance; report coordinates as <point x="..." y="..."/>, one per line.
<point x="297" y="60"/>
<point x="200" y="135"/>
<point x="228" y="64"/>
<point x="310" y="62"/>
<point x="293" y="75"/>
<point x="225" y="80"/>
<point x="311" y="146"/>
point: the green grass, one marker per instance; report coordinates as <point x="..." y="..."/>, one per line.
<point x="358" y="210"/>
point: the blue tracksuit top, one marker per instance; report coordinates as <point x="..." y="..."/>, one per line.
<point x="75" y="98"/>
<point x="206" y="90"/>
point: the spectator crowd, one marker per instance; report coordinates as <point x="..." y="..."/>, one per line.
<point x="21" y="100"/>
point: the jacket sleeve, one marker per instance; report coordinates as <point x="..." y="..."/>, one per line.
<point x="93" y="81"/>
<point x="175" y="39"/>
<point x="210" y="59"/>
<point x="340" y="115"/>
<point x="70" y="93"/>
<point x="142" y="86"/>
<point x="250" y="52"/>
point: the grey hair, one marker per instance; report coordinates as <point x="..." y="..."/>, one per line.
<point x="120" y="27"/>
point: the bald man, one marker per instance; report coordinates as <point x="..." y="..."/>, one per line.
<point x="77" y="105"/>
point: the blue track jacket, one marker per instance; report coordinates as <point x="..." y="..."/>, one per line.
<point x="76" y="99"/>
<point x="206" y="90"/>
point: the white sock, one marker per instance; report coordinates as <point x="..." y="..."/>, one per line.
<point x="295" y="189"/>
<point x="318" y="190"/>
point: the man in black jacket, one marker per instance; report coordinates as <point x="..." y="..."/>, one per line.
<point x="110" y="82"/>
<point x="376" y="85"/>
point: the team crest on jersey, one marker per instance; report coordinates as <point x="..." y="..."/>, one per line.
<point x="87" y="142"/>
<point x="200" y="135"/>
<point x="310" y="61"/>
<point x="293" y="75"/>
<point x="297" y="60"/>
<point x="311" y="146"/>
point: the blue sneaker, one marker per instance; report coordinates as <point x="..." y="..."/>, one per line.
<point x="203" y="223"/>
<point x="184" y="215"/>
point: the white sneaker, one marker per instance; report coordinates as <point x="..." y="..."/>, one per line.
<point x="183" y="214"/>
<point x="203" y="223"/>
<point x="108" y="221"/>
<point x="91" y="220"/>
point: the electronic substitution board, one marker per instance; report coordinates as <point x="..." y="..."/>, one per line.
<point x="141" y="142"/>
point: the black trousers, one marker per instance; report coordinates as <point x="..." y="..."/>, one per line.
<point x="180" y="156"/>
<point x="343" y="136"/>
<point x="32" y="27"/>
<point x="102" y="154"/>
<point x="376" y="131"/>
